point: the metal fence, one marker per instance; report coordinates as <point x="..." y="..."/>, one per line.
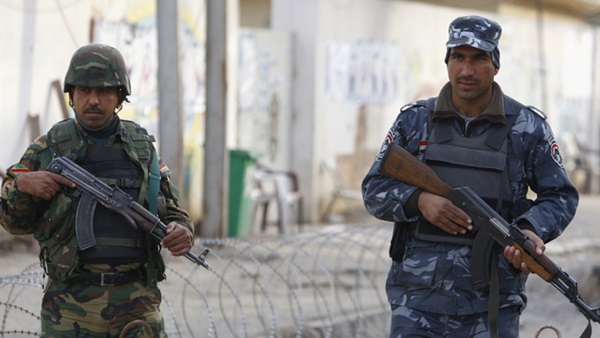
<point x="325" y="283"/>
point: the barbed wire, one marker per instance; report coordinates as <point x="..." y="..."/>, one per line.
<point x="325" y="283"/>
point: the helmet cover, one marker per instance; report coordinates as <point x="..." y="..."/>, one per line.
<point x="97" y="66"/>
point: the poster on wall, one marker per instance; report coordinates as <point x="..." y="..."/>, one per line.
<point x="135" y="35"/>
<point x="264" y="89"/>
<point x="363" y="71"/>
<point x="136" y="38"/>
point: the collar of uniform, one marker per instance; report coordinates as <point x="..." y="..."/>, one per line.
<point x="494" y="112"/>
<point x="122" y="132"/>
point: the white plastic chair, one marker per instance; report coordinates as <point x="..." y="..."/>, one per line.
<point x="280" y="187"/>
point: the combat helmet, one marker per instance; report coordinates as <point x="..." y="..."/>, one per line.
<point x="97" y="65"/>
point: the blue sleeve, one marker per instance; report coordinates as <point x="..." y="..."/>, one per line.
<point x="385" y="197"/>
<point x="536" y="151"/>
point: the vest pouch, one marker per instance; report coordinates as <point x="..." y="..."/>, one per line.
<point x="61" y="261"/>
<point x="427" y="231"/>
<point x="478" y="162"/>
<point x="56" y="235"/>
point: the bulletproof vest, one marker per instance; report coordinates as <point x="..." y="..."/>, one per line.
<point x="478" y="162"/>
<point x="65" y="139"/>
<point x="61" y="259"/>
<point x="117" y="240"/>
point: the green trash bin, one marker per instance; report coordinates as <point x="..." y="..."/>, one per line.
<point x="241" y="163"/>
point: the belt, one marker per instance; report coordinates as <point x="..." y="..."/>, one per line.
<point x="111" y="278"/>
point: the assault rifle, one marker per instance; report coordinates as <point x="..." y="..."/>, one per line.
<point x="491" y="227"/>
<point x="94" y="191"/>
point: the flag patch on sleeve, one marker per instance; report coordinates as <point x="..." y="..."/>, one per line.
<point x="164" y="170"/>
<point x="18" y="169"/>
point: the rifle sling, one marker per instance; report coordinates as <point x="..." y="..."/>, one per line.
<point x="587" y="333"/>
<point x="484" y="270"/>
<point x="153" y="184"/>
<point x="494" y="299"/>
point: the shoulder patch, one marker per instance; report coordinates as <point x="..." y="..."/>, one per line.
<point x="537" y="112"/>
<point x="389" y="138"/>
<point x="18" y="169"/>
<point x="164" y="170"/>
<point x="556" y="156"/>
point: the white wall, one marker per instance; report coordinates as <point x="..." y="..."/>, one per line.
<point x="47" y="33"/>
<point x="419" y="32"/>
<point x="326" y="126"/>
<point x="52" y="31"/>
<point x="52" y="42"/>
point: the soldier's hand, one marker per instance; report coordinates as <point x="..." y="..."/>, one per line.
<point x="41" y="184"/>
<point x="445" y="215"/>
<point x="178" y="239"/>
<point x="514" y="255"/>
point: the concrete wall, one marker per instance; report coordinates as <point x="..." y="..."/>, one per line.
<point x="45" y="36"/>
<point x="352" y="115"/>
<point x="338" y="118"/>
<point x="37" y="44"/>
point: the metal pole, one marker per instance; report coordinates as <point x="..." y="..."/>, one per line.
<point x="170" y="126"/>
<point x="216" y="157"/>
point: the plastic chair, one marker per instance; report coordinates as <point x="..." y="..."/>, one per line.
<point x="280" y="187"/>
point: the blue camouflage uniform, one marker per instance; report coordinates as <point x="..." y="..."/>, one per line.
<point x="432" y="281"/>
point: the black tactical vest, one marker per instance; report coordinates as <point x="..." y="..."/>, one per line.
<point x="118" y="242"/>
<point x="477" y="162"/>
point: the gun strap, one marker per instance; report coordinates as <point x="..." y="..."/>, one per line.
<point x="587" y="333"/>
<point x="484" y="270"/>
<point x="153" y="184"/>
<point x="493" y="299"/>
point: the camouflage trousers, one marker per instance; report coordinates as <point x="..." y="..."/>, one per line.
<point x="411" y="323"/>
<point x="72" y="310"/>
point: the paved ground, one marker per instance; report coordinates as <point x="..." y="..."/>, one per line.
<point x="577" y="252"/>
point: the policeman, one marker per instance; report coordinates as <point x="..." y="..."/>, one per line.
<point x="96" y="292"/>
<point x="473" y="135"/>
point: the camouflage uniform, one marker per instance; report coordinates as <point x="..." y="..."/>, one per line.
<point x="75" y="303"/>
<point x="429" y="285"/>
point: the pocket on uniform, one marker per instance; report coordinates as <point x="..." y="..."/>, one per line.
<point x="461" y="267"/>
<point x="51" y="223"/>
<point x="419" y="266"/>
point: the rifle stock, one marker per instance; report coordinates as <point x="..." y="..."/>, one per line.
<point x="401" y="165"/>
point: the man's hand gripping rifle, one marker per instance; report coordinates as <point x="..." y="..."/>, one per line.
<point x="491" y="227"/>
<point x="93" y="191"/>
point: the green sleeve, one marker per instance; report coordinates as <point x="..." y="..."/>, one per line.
<point x="19" y="212"/>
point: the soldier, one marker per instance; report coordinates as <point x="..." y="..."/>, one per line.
<point x="473" y="135"/>
<point x="96" y="292"/>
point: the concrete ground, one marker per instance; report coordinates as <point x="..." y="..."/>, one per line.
<point x="325" y="282"/>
